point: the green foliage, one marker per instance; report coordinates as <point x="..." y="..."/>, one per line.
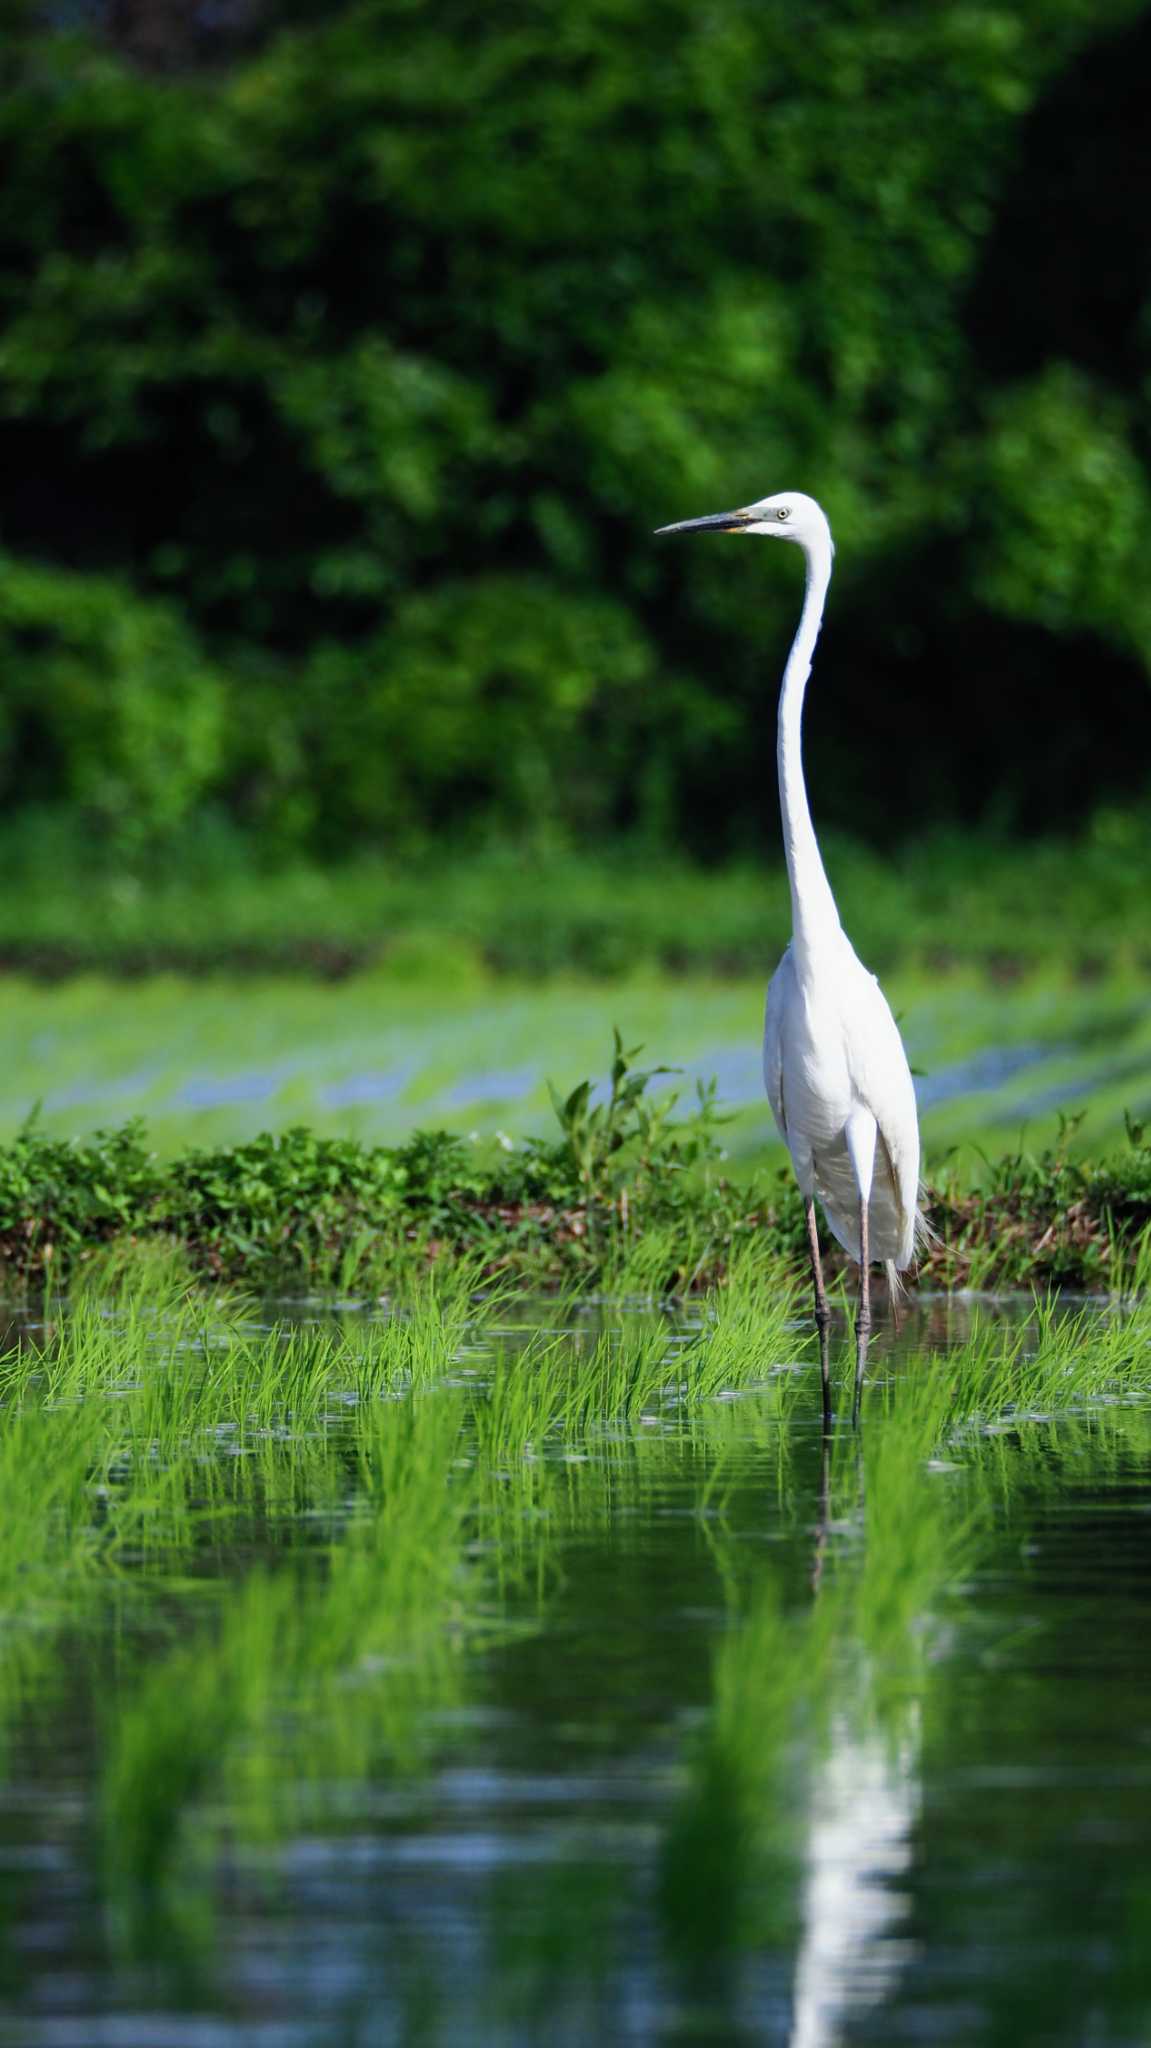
<point x="596" y="1133"/>
<point x="957" y="900"/>
<point x="1049" y="1219"/>
<point x="58" y="1199"/>
<point x="630" y="1196"/>
<point x="299" y="1206"/>
<point x="1073" y="512"/>
<point x="280" y="1202"/>
<point x="483" y="686"/>
<point x="127" y="714"/>
<point x="341" y="386"/>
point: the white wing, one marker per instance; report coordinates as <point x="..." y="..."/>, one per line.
<point x="830" y="1050"/>
<point x="779" y="988"/>
<point x="881" y="1079"/>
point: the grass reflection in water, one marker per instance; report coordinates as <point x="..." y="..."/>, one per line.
<point x="596" y="1682"/>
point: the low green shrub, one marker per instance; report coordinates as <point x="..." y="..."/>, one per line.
<point x="296" y="1207"/>
<point x="630" y="1193"/>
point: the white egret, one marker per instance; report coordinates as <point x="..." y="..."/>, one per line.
<point x="836" y="1073"/>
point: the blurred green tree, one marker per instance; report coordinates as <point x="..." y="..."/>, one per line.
<point x="348" y="355"/>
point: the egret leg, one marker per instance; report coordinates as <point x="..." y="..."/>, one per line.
<point x="863" y="1315"/>
<point x="822" y="1312"/>
<point x="824" y="1522"/>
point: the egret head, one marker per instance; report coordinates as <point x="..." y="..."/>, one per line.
<point x="790" y="515"/>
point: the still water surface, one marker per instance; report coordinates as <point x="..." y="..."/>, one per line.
<point x="684" y="1731"/>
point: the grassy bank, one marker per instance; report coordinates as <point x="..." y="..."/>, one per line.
<point x="629" y="1196"/>
<point x="949" y="902"/>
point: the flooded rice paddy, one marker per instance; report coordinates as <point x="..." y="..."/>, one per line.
<point x="214" y="1061"/>
<point x="477" y="1672"/>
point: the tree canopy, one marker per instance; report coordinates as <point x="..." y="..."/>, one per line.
<point x="346" y="366"/>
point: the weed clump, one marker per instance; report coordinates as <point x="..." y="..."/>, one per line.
<point x="1046" y="1220"/>
<point x="630" y="1198"/>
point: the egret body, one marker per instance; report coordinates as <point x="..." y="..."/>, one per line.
<point x="836" y="1073"/>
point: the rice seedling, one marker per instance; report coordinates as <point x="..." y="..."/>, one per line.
<point x="307" y="1543"/>
<point x="1053" y="1360"/>
<point x="645" y="1364"/>
<point x="805" y="1773"/>
<point x="408" y="1461"/>
<point x="312" y="1671"/>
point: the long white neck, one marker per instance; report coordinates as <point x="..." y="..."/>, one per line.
<point x="814" y="917"/>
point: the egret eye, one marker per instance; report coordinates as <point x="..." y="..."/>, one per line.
<point x="783" y="512"/>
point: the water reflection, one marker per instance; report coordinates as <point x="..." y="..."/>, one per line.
<point x="428" y="1679"/>
<point x="864" y="1803"/>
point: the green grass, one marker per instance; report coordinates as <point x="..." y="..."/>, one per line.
<point x="950" y="901"/>
<point x="632" y="1195"/>
<point x="210" y="1063"/>
<point x="416" y="1482"/>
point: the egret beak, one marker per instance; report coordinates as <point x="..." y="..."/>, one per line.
<point x="716" y="522"/>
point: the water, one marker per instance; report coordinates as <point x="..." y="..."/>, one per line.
<point x="682" y="1729"/>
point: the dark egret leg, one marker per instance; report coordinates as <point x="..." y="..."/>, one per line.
<point x="863" y="1315"/>
<point x="824" y="1522"/>
<point x="822" y="1312"/>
